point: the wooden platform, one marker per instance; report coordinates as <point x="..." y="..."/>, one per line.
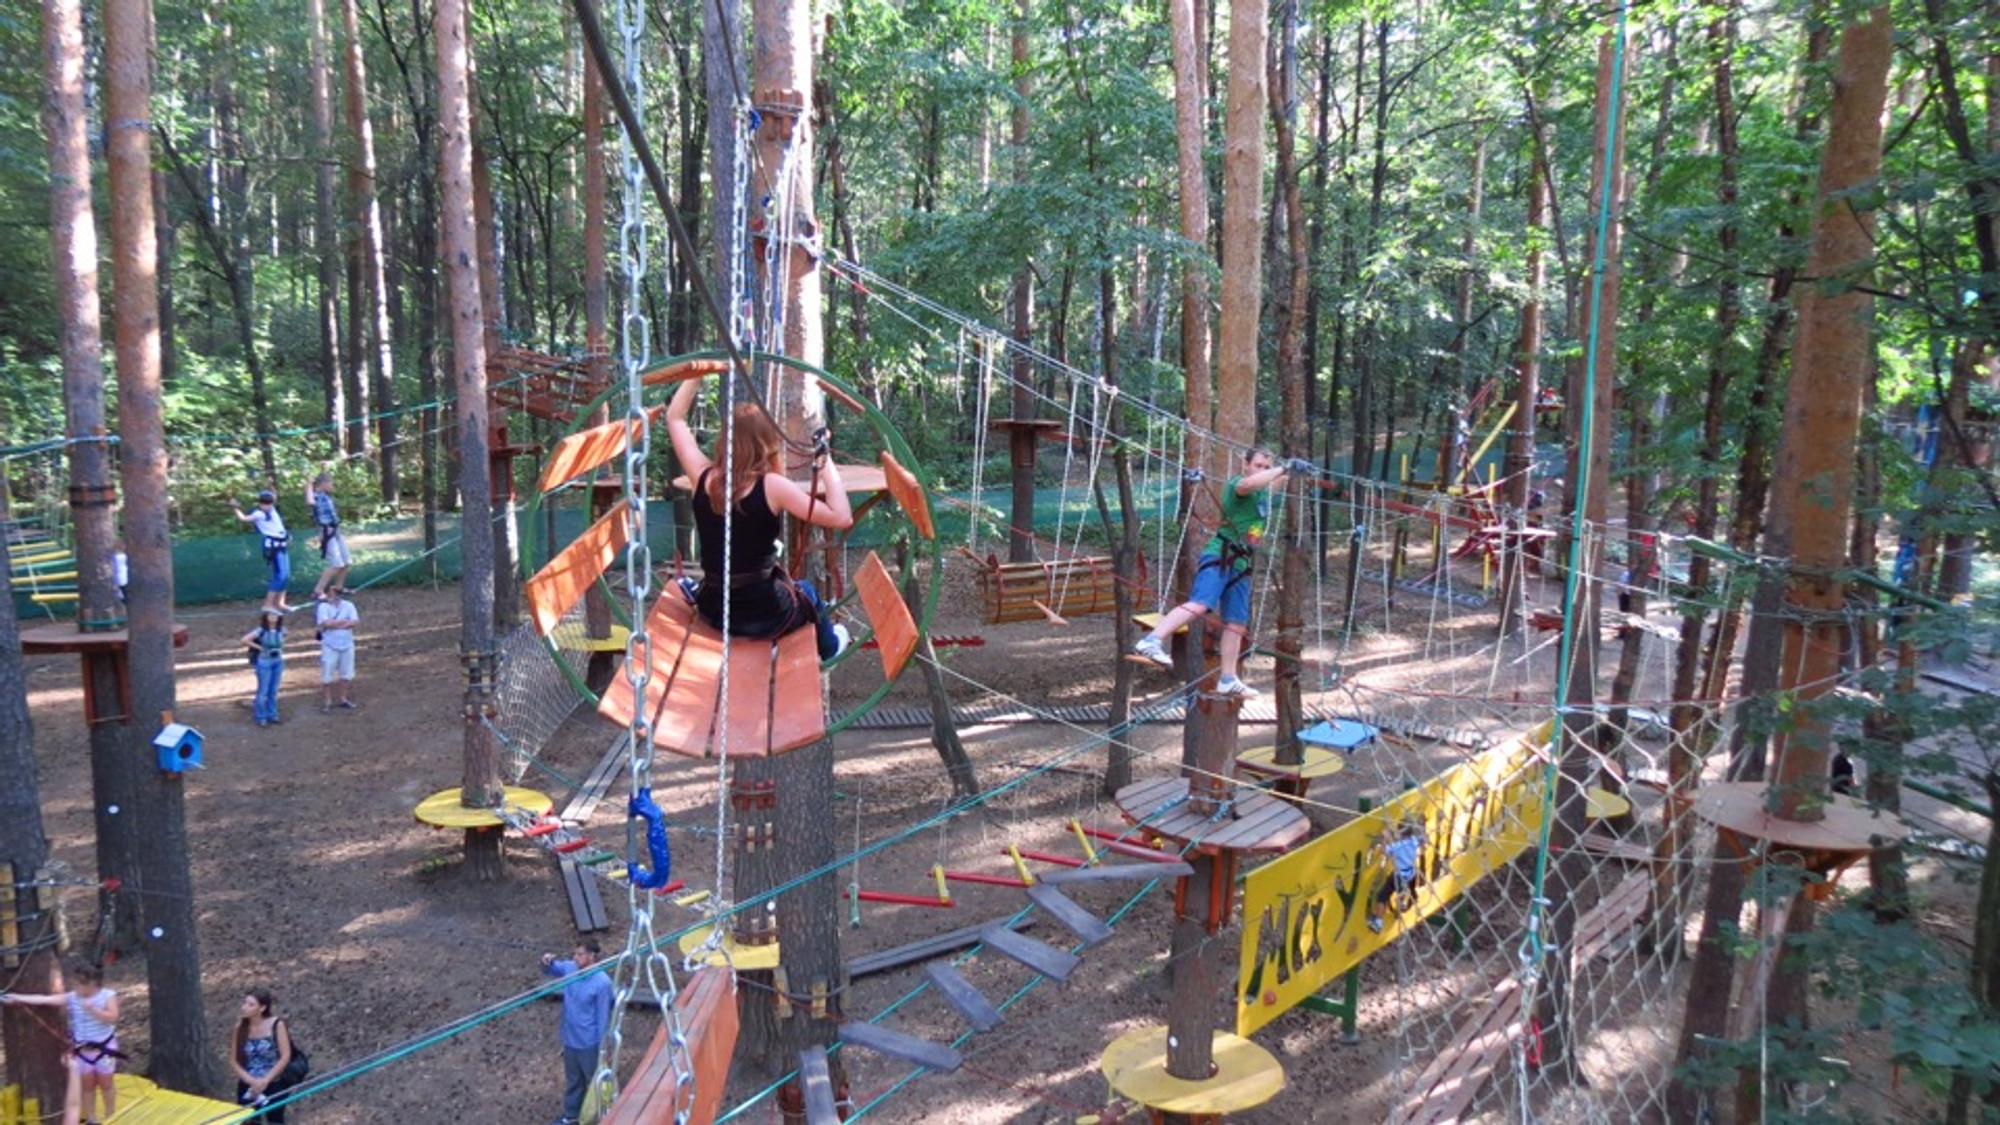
<point x="775" y="703"/>
<point x="140" y="1102"/>
<point x="1255" y="822"/>
<point x="557" y="587"/>
<point x="63" y="636"/>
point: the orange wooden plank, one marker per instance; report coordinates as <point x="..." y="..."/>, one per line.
<point x="667" y="632"/>
<point x="909" y="495"/>
<point x="684" y="370"/>
<point x="586" y="450"/>
<point x="798" y="710"/>
<point x="684" y="712"/>
<point x="557" y="586"/>
<point x="748" y="721"/>
<point x="707" y="1007"/>
<point x="888" y="613"/>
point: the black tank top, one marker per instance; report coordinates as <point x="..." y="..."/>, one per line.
<point x="760" y="605"/>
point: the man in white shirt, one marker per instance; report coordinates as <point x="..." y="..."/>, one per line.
<point x="336" y="618"/>
<point x="277" y="547"/>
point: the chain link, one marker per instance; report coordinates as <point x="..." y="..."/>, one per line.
<point x="644" y="964"/>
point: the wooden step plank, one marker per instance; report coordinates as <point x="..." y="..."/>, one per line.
<point x="964" y="997"/>
<point x="1085" y="925"/>
<point x="817" y="1085"/>
<point x="1046" y="959"/>
<point x="896" y="1045"/>
<point x="880" y="962"/>
<point x="1113" y="871"/>
<point x="588" y="450"/>
<point x="586" y="903"/>
<point x="908" y="494"/>
<point x="798" y="708"/>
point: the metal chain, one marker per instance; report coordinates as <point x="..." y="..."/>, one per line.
<point x="644" y="963"/>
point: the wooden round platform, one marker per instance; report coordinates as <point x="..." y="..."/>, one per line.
<point x="1255" y="822"/>
<point x="63" y="636"/>
<point x="569" y="636"/>
<point x="1246" y="1075"/>
<point x="1848" y="826"/>
<point x="443" y="810"/>
<point x="745" y="958"/>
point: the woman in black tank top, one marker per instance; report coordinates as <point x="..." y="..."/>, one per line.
<point x="761" y="600"/>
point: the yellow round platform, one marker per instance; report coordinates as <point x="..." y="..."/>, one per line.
<point x="443" y="810"/>
<point x="569" y="636"/>
<point x="1603" y="804"/>
<point x="1246" y="1075"/>
<point x="744" y="957"/>
<point x="1319" y="762"/>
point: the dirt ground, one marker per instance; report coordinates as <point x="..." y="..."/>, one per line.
<point x="314" y="879"/>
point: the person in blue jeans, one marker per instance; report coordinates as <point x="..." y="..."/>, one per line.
<point x="1222" y="578"/>
<point x="267" y="655"/>
<point x="586" y="1017"/>
<point x="277" y="547"/>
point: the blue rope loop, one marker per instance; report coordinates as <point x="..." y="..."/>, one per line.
<point x="643" y="808"/>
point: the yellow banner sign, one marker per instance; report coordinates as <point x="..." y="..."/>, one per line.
<point x="1313" y="914"/>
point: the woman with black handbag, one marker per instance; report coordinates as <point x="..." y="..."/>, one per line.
<point x="265" y="1059"/>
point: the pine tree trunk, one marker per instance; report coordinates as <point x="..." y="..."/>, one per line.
<point x="481" y="780"/>
<point x="325" y="226"/>
<point x="367" y="212"/>
<point x="1021" y="438"/>
<point x="182" y="1057"/>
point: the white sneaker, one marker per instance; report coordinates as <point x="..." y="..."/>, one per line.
<point x="843" y="637"/>
<point x="1150" y="647"/>
<point x="1230" y="685"/>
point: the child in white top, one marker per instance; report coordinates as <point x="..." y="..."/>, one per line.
<point x="277" y="547"/>
<point x="93" y="1029"/>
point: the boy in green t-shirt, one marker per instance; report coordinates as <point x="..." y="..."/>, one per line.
<point x="1222" y="580"/>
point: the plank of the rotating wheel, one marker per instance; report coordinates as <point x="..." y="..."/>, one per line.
<point x="588" y="450"/>
<point x="558" y="586"/>
<point x="667" y="641"/>
<point x="888" y="615"/>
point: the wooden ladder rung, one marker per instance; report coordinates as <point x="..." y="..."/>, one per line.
<point x="1042" y="957"/>
<point x="897" y="1045"/>
<point x="1064" y="909"/>
<point x="964" y="997"/>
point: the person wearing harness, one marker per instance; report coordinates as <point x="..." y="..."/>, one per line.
<point x="93" y="1030"/>
<point x="762" y="600"/>
<point x="277" y="547"/>
<point x="334" y="559"/>
<point x="1222" y="578"/>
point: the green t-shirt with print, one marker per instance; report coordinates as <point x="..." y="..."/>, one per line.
<point x="1242" y="521"/>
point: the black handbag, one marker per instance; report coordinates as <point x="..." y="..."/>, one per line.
<point x="297" y="1067"/>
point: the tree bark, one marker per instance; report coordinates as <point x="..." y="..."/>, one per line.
<point x="1022" y="442"/>
<point x="182" y="1057"/>
<point x="1288" y="297"/>
<point x="367" y="211"/>
<point x="24" y="847"/>
<point x="326" y="244"/>
<point x="480" y="786"/>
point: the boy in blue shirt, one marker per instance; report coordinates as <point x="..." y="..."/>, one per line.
<point x="1222" y="579"/>
<point x="586" y="1016"/>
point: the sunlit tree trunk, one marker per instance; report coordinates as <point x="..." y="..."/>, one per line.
<point x="182" y="1057"/>
<point x="481" y="783"/>
<point x="326" y="226"/>
<point x="367" y="212"/>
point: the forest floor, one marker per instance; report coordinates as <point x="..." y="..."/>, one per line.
<point x="314" y="879"/>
